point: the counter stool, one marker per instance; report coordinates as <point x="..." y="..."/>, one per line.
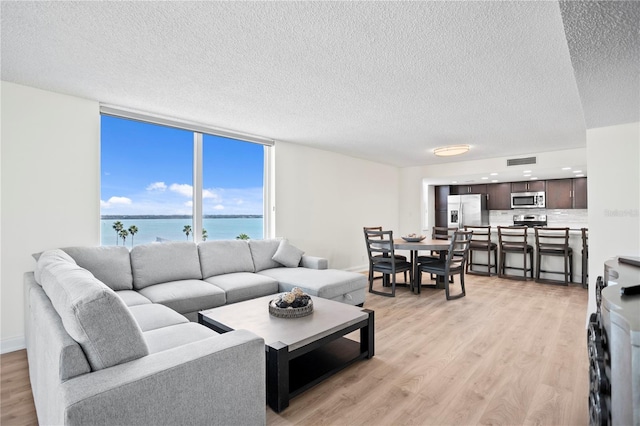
<point x="513" y="239"/>
<point x="554" y="242"/>
<point x="585" y="257"/>
<point x="481" y="241"/>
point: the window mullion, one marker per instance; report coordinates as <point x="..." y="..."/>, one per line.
<point x="197" y="187"/>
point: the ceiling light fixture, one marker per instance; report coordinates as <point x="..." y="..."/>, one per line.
<point x="448" y="151"/>
<point x="566" y="168"/>
<point x="577" y="171"/>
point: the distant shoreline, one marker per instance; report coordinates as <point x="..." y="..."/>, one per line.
<point x="178" y="216"/>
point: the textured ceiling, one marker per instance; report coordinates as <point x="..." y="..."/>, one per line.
<point x="384" y="81"/>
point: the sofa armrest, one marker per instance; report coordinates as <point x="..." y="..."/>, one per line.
<point x="219" y="380"/>
<point x="313" y="262"/>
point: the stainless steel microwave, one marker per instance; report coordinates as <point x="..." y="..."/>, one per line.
<point x="527" y="200"/>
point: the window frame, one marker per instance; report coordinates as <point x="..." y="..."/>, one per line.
<point x="199" y="130"/>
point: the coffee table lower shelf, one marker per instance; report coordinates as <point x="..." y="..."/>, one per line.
<point x="291" y="373"/>
<point x="313" y="367"/>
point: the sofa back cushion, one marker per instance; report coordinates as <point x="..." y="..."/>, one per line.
<point x="92" y="314"/>
<point x="224" y="257"/>
<point x="262" y="252"/>
<point x="156" y="263"/>
<point x="109" y="264"/>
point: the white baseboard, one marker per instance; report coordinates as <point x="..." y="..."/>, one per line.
<point x="12" y="344"/>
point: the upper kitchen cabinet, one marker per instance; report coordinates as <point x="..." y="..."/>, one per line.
<point x="580" y="193"/>
<point x="441" y="194"/>
<point x="559" y="194"/>
<point x="530" y="186"/>
<point x="567" y="193"/>
<point x="499" y="196"/>
<point x="468" y="189"/>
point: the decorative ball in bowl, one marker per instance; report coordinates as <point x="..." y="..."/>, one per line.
<point x="292" y="304"/>
<point x="413" y="238"/>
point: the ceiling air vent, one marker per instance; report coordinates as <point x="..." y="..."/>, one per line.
<point x="521" y="161"/>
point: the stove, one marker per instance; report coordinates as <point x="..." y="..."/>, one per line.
<point x="530" y="220"/>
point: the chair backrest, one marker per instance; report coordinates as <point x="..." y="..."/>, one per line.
<point x="379" y="245"/>
<point x="459" y="248"/>
<point x="481" y="234"/>
<point x="585" y="238"/>
<point x="373" y="228"/>
<point x="512" y="235"/>
<point x="442" y="232"/>
<point x="555" y="238"/>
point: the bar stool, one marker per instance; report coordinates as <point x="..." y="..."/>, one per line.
<point x="585" y="257"/>
<point x="481" y="241"/>
<point x="513" y="239"/>
<point x="554" y="242"/>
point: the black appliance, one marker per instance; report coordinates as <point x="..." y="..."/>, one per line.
<point x="530" y="220"/>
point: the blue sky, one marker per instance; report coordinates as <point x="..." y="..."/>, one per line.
<point x="147" y="169"/>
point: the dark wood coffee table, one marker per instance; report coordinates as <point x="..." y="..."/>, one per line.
<point x="300" y="352"/>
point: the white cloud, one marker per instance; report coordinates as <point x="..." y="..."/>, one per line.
<point x="189" y="204"/>
<point x="218" y="207"/>
<point x="157" y="186"/>
<point x="208" y="193"/>
<point x="183" y="189"/>
<point x="115" y="201"/>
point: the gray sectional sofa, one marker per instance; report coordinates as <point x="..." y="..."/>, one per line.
<point x="111" y="340"/>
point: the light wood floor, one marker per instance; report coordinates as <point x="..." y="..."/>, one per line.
<point x="510" y="353"/>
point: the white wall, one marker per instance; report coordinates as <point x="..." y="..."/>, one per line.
<point x="613" y="154"/>
<point x="323" y="200"/>
<point x="50" y="187"/>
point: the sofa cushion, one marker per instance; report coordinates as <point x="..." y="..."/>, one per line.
<point x="241" y="286"/>
<point x="91" y="312"/>
<point x="132" y="298"/>
<point x="159" y="263"/>
<point x="109" y="264"/>
<point x="53" y="256"/>
<point x="262" y="252"/>
<point x="185" y="295"/>
<point x="224" y="257"/>
<point x="325" y="283"/>
<point x="288" y="255"/>
<point x="173" y="336"/>
<point x="150" y="317"/>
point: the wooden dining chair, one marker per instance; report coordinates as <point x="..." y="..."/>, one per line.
<point x="397" y="256"/>
<point x="454" y="264"/>
<point x="382" y="259"/>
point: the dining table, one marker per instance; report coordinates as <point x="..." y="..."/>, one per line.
<point x="427" y="244"/>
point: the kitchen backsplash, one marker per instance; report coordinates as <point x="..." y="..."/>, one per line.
<point x="572" y="218"/>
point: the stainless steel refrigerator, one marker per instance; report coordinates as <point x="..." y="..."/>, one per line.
<point x="467" y="210"/>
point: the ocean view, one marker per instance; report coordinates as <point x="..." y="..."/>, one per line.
<point x="149" y="229"/>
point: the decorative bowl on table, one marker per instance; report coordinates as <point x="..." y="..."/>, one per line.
<point x="412" y="238"/>
<point x="292" y="304"/>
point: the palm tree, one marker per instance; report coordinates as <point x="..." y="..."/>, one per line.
<point x="204" y="234"/>
<point x="117" y="226"/>
<point x="242" y="237"/>
<point x="123" y="234"/>
<point x="187" y="230"/>
<point x="133" y="230"/>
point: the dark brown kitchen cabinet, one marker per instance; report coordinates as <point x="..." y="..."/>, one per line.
<point x="441" y="194"/>
<point x="559" y="194"/>
<point x="530" y="186"/>
<point x="580" y="193"/>
<point x="567" y="193"/>
<point x="499" y="196"/>
<point x="468" y="189"/>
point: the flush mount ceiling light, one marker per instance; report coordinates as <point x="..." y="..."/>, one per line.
<point x="448" y="151"/>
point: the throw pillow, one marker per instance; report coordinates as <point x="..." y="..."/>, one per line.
<point x="288" y="255"/>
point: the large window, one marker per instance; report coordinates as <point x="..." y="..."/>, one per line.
<point x="164" y="183"/>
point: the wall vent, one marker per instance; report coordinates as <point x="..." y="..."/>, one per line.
<point x="521" y="161"/>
